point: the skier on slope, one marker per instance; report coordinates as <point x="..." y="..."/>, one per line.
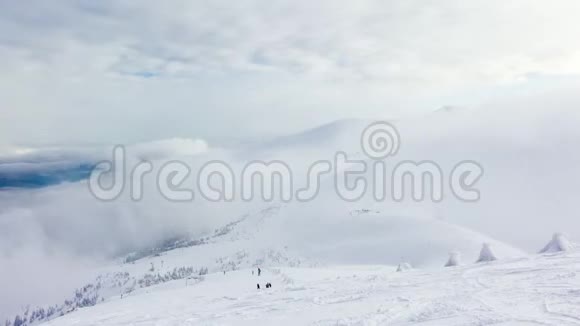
<point x="259" y="271"/>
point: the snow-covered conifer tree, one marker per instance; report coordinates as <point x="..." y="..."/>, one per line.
<point x="404" y="267"/>
<point x="558" y="243"/>
<point x="486" y="254"/>
<point x="453" y="259"/>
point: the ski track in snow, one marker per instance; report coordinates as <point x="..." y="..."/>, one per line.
<point x="534" y="290"/>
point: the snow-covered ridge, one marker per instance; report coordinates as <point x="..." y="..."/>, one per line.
<point x="541" y="289"/>
<point x="257" y="240"/>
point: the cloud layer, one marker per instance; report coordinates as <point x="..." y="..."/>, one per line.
<point x="131" y="71"/>
<point x="429" y="41"/>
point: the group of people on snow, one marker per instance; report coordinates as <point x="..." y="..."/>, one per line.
<point x="268" y="285"/>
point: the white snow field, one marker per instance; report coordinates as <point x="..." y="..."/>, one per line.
<point x="532" y="290"/>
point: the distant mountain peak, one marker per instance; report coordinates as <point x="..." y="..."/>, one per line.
<point x="450" y="109"/>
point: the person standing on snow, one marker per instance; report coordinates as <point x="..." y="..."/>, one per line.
<point x="259" y="271"/>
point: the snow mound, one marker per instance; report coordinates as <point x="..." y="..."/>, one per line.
<point x="558" y="243"/>
<point x="486" y="254"/>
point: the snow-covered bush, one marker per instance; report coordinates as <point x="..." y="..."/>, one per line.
<point x="453" y="259"/>
<point x="558" y="243"/>
<point x="86" y="296"/>
<point x="176" y="274"/>
<point x="19" y="321"/>
<point x="203" y="271"/>
<point x="404" y="267"/>
<point x="486" y="254"/>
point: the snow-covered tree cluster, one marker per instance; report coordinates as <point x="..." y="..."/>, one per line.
<point x="86" y="296"/>
<point x="176" y="274"/>
<point x="558" y="243"/>
<point x="90" y="294"/>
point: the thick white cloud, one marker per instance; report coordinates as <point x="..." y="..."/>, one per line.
<point x="424" y="40"/>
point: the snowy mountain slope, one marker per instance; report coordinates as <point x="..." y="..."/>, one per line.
<point x="376" y="237"/>
<point x="521" y="191"/>
<point x="356" y="237"/>
<point x="541" y="289"/>
<point x="276" y="238"/>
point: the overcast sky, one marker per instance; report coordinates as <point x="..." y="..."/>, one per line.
<point x="124" y="71"/>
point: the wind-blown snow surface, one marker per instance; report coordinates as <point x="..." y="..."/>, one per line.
<point x="535" y="290"/>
